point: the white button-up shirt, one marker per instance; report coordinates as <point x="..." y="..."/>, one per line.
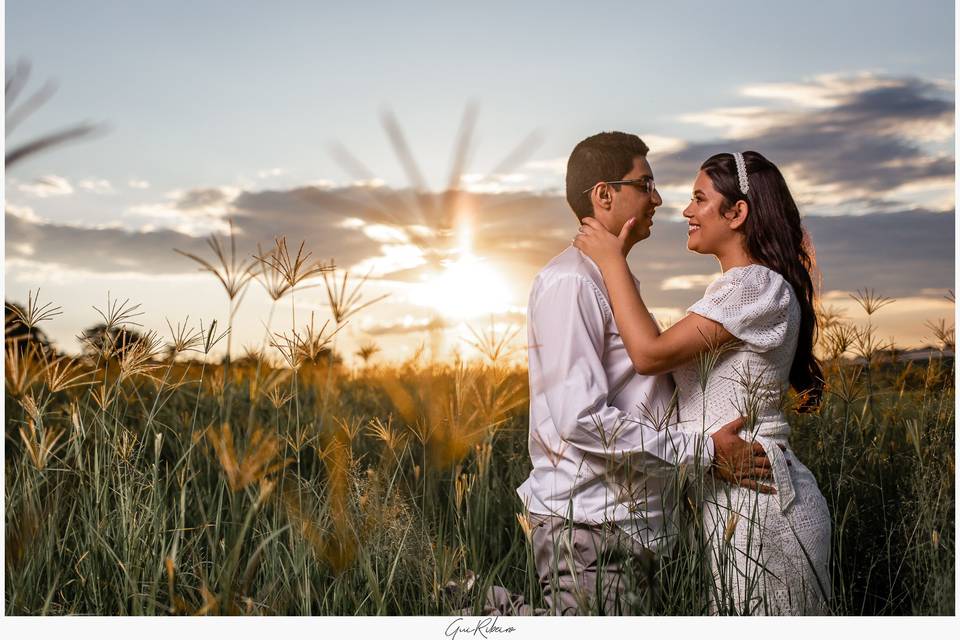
<point x="603" y="439"/>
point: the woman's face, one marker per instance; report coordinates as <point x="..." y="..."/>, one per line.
<point x="708" y="231"/>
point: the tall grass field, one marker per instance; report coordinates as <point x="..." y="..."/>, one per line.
<point x="146" y="477"/>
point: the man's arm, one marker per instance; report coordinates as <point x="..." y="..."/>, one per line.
<point x="568" y="330"/>
<point x="569" y="322"/>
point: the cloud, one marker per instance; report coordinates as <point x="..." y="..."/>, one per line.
<point x="898" y="253"/>
<point x="47" y="186"/>
<point x="99" y="249"/>
<point x="496" y="183"/>
<point x="510" y="228"/>
<point x="393" y="259"/>
<point x="847" y="144"/>
<point x="558" y="166"/>
<point x="183" y="221"/>
<point x="553" y="165"/>
<point x="408" y="324"/>
<point x="138" y="184"/>
<point x="94" y="185"/>
<point x="385" y="234"/>
<point x="193" y="212"/>
<point x="662" y="144"/>
<point x="209" y="199"/>
<point x="25" y="213"/>
<point x="164" y="216"/>
<point x="684" y="283"/>
<point x="400" y="233"/>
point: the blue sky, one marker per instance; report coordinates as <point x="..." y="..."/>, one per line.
<point x="216" y="108"/>
<point x="257" y="84"/>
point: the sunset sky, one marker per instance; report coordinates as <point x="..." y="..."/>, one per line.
<point x="287" y="117"/>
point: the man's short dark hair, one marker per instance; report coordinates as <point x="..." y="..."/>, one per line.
<point x="604" y="156"/>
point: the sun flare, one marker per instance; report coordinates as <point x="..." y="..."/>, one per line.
<point x="466" y="287"/>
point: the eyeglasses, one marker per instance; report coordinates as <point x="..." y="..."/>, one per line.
<point x="645" y="184"/>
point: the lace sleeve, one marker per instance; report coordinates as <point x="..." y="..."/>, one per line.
<point x="752" y="303"/>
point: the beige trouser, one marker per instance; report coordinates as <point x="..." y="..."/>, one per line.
<point x="583" y="569"/>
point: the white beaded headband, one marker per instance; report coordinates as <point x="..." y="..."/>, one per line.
<point x="741" y="172"/>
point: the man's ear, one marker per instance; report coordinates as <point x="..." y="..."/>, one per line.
<point x="741" y="210"/>
<point x="602" y="196"/>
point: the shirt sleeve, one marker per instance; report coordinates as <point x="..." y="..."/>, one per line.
<point x="569" y="318"/>
<point x="753" y="304"/>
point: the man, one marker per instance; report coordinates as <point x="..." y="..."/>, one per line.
<point x="605" y="472"/>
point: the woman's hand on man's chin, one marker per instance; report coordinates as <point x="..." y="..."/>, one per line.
<point x="600" y="245"/>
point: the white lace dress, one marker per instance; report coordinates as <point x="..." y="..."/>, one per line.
<point x="769" y="553"/>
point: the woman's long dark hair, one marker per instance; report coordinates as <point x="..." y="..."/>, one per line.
<point x="775" y="238"/>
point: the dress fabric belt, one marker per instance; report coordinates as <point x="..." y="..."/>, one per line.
<point x="781" y="472"/>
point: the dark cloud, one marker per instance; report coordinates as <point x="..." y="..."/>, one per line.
<point x="104" y="250"/>
<point x="435" y="323"/>
<point x="896" y="253"/>
<point x="512" y="228"/>
<point x="869" y="140"/>
<point x="200" y="198"/>
<point x="260" y="217"/>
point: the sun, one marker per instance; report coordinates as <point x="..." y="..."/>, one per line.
<point x="467" y="287"/>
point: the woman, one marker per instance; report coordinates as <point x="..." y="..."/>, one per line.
<point x="735" y="353"/>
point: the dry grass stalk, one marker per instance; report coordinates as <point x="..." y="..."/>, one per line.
<point x="22" y="368"/>
<point x="343" y="301"/>
<point x="731" y="527"/>
<point x="210" y="336"/>
<point x="234" y="275"/>
<point x="838" y="340"/>
<point x="34" y="313"/>
<point x="117" y="314"/>
<point x="870" y="300"/>
<point x="394" y="441"/>
<point x="269" y="387"/>
<point x="65" y="373"/>
<point x="367" y="350"/>
<point x="339" y="548"/>
<point x="38" y="442"/>
<point x="141" y="356"/>
<point x="183" y="339"/>
<point x="103" y="396"/>
<point x="829" y="317"/>
<point x="259" y="460"/>
<point x="17" y="79"/>
<point x="281" y="272"/>
<point x="493" y="345"/>
<point x="269" y="278"/>
<point x="526" y="526"/>
<point x="309" y="346"/>
<point x="945" y="336"/>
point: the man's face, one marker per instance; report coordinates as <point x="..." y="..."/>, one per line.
<point x="631" y="202"/>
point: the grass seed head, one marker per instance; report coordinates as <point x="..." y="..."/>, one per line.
<point x="870" y="301"/>
<point x="234" y="275"/>
<point x="34" y="313"/>
<point x="345" y="302"/>
<point x="282" y="272"/>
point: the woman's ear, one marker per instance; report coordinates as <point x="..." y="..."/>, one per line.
<point x="740" y="211"/>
